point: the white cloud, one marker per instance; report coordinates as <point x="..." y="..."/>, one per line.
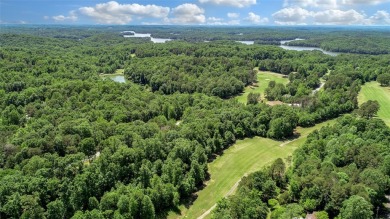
<point x="220" y="21"/>
<point x="297" y="15"/>
<point x="331" y="4"/>
<point x="114" y="13"/>
<point x="234" y="22"/>
<point x="380" y="17"/>
<point x="234" y="3"/>
<point x="46" y="17"/>
<point x="188" y="14"/>
<point x="60" y="18"/>
<point x="233" y="15"/>
<point x="256" y="19"/>
<point x="72" y="17"/>
<point x="311" y="3"/>
<point x="362" y="2"/>
<point x="338" y="17"/>
<point x="291" y="16"/>
<point x="214" y="19"/>
<point x="231" y="22"/>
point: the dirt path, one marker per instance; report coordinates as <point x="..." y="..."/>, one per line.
<point x="287" y="142"/>
<point x="319" y="88"/>
<point x="230" y="192"/>
<point x="207" y="212"/>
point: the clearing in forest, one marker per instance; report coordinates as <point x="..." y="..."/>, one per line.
<point x="373" y="91"/>
<point x="242" y="158"/>
<point x="119" y="71"/>
<point x="263" y="78"/>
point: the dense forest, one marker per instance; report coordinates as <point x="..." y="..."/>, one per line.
<point x="342" y="171"/>
<point x="73" y="145"/>
<point x="363" y="40"/>
<point x="348" y="44"/>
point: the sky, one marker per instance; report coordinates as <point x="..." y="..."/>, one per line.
<point x="196" y="12"/>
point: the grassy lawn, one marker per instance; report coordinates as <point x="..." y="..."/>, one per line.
<point x="263" y="78"/>
<point x="244" y="157"/>
<point x="373" y="91"/>
<point x="119" y="71"/>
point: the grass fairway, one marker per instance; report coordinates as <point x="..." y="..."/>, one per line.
<point x="263" y="78"/>
<point x="244" y="157"/>
<point x="373" y="91"/>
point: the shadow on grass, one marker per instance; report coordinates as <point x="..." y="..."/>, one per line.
<point x="186" y="201"/>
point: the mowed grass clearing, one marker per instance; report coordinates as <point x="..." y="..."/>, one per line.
<point x="373" y="91"/>
<point x="119" y="71"/>
<point x="242" y="158"/>
<point x="263" y="78"/>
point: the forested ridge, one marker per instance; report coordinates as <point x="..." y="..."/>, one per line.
<point x="75" y="146"/>
<point x="348" y="44"/>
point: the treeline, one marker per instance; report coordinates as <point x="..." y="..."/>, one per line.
<point x="367" y="40"/>
<point x="342" y="171"/>
<point x="348" y="44"/>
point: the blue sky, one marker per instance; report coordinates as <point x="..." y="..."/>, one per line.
<point x="202" y="12"/>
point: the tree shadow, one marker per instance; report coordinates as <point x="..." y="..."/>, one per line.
<point x="187" y="202"/>
<point x="294" y="136"/>
<point x="290" y="138"/>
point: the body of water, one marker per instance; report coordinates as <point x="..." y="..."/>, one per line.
<point x="283" y="42"/>
<point x="159" y="40"/>
<point x="247" y="42"/>
<point x="116" y="78"/>
<point x="132" y="34"/>
<point x="304" y="48"/>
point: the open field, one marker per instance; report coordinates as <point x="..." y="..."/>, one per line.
<point x="119" y="71"/>
<point x="373" y="91"/>
<point x="263" y="78"/>
<point x="244" y="157"/>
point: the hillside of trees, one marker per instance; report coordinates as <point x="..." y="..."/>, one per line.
<point x="341" y="171"/>
<point x="75" y="146"/>
<point x="362" y="40"/>
<point x="348" y="44"/>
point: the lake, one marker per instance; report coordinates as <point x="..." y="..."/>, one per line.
<point x="116" y="78"/>
<point x="133" y="34"/>
<point x="247" y="42"/>
<point x="304" y="48"/>
<point x="283" y="42"/>
<point x="159" y="40"/>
